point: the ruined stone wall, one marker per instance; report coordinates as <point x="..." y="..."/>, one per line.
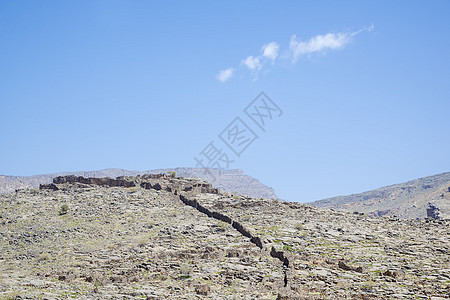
<point x="185" y="190"/>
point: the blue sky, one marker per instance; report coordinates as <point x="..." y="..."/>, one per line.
<point x="364" y="87"/>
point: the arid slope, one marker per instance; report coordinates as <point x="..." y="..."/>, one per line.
<point x="158" y="237"/>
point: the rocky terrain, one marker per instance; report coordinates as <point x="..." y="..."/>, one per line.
<point x="161" y="237"/>
<point x="406" y="200"/>
<point x="233" y="181"/>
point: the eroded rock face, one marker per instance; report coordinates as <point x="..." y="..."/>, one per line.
<point x="155" y="236"/>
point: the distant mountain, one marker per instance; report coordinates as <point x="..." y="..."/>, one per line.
<point x="231" y="181"/>
<point x="406" y="200"/>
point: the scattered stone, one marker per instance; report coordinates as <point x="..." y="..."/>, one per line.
<point x="202" y="289"/>
<point x="394" y="273"/>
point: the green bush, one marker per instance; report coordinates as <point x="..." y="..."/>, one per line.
<point x="288" y="248"/>
<point x="64" y="209"/>
<point x="186" y="271"/>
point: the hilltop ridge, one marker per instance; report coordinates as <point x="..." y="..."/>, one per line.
<point x="233" y="180"/>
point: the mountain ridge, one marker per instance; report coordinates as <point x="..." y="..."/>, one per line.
<point x="410" y="199"/>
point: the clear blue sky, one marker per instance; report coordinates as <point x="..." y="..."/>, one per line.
<point x="364" y="87"/>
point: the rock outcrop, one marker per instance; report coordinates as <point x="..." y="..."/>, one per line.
<point x="433" y="211"/>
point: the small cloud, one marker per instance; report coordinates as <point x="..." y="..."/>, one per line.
<point x="270" y="50"/>
<point x="253" y="63"/>
<point x="368" y="29"/>
<point x="224" y="75"/>
<point x="318" y="43"/>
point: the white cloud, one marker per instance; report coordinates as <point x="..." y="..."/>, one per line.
<point x="319" y="43"/>
<point x="270" y="50"/>
<point x="253" y="63"/>
<point x="316" y="44"/>
<point x="224" y="75"/>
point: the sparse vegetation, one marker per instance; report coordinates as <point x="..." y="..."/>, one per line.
<point x="246" y="217"/>
<point x="222" y="225"/>
<point x="142" y="242"/>
<point x="64" y="209"/>
<point x="44" y="256"/>
<point x="288" y="248"/>
<point x="34" y="191"/>
<point x="186" y="271"/>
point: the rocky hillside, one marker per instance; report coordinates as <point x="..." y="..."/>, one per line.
<point x="233" y="181"/>
<point x="160" y="237"/>
<point x="406" y="200"/>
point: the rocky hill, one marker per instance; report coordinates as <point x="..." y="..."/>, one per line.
<point x="161" y="237"/>
<point x="406" y="200"/>
<point x="233" y="181"/>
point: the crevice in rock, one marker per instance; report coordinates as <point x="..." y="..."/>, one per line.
<point x="280" y="255"/>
